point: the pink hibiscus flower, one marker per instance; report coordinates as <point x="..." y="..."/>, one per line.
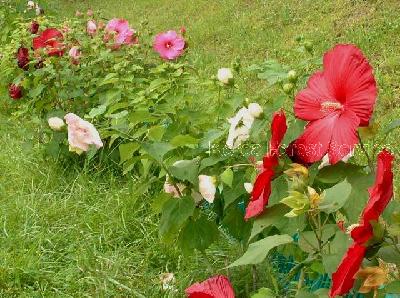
<point x="169" y="45"/>
<point x="214" y="287"/>
<point x="119" y="28"/>
<point x="336" y="101"/>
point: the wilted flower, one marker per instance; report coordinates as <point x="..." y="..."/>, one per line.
<point x="255" y="109"/>
<point x="81" y="134"/>
<point x="169" y="45"/>
<point x="182" y="30"/>
<point x="39" y="10"/>
<point x="373" y="277"/>
<point x="56" y="123"/>
<point x="23" y="58"/>
<point x="239" y="130"/>
<point x="78" y="13"/>
<point x="225" y="75"/>
<point x="171" y="189"/>
<point x="74" y="53"/>
<point x="207" y="187"/>
<point x="34" y="27"/>
<point x="119" y="28"/>
<point x="167" y="281"/>
<point x="248" y="187"/>
<point x="91" y="27"/>
<point x="15" y="91"/>
<point x="297" y="170"/>
<point x="30" y="4"/>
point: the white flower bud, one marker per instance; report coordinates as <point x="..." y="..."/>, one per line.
<point x="207" y="187"/>
<point x="225" y="75"/>
<point x="255" y="109"/>
<point x="56" y="123"/>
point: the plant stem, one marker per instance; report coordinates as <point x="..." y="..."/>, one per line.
<point x="254" y="272"/>
<point x="301" y="280"/>
<point x="273" y="280"/>
<point x="365" y="152"/>
<point x="173" y="182"/>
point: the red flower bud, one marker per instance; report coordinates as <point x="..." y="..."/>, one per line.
<point x="23" y="58"/>
<point x="15" y="91"/>
<point x="34" y="28"/>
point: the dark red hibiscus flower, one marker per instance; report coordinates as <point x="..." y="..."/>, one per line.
<point x="34" y="28"/>
<point x="51" y="40"/>
<point x="15" y="91"/>
<point x="23" y="58"/>
<point x="262" y="186"/>
<point x="379" y="197"/>
<point x="343" y="278"/>
<point x="214" y="287"/>
<point x="337" y="100"/>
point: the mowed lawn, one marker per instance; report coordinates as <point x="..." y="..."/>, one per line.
<point x="67" y="231"/>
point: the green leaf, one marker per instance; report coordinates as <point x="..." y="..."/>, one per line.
<point x="279" y="188"/>
<point x="264" y="293"/>
<point x="157" y="150"/>
<point x="156" y="133"/>
<point x="308" y="240"/>
<point x="258" y="251"/>
<point x="235" y="224"/>
<point x="335" y="197"/>
<point x="198" y="234"/>
<point x="389" y="254"/>
<point x="100" y="110"/>
<point x="126" y="150"/>
<point x="335" y="173"/>
<point x="227" y="177"/>
<point x="335" y="252"/>
<point x="185" y="170"/>
<point x="272" y="216"/>
<point x="393" y="125"/>
<point x="159" y="201"/>
<point x="209" y="137"/>
<point x="393" y="287"/>
<point x="35" y="92"/>
<point x="184" y="141"/>
<point x="302" y="293"/>
<point x="210" y="161"/>
<point x="174" y="214"/>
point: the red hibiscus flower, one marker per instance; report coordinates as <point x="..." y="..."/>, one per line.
<point x="379" y="197"/>
<point x="15" y="91"/>
<point x="336" y="101"/>
<point x="262" y="186"/>
<point x="23" y="58"/>
<point x="214" y="287"/>
<point x="343" y="278"/>
<point x="50" y="39"/>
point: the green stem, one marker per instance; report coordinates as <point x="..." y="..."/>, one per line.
<point x="273" y="280"/>
<point x="365" y="152"/>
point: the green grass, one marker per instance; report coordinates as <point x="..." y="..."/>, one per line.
<point x="66" y="232"/>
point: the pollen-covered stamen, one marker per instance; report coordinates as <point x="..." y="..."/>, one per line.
<point x="331" y="106"/>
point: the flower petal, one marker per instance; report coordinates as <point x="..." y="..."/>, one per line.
<point x="214" y="287"/>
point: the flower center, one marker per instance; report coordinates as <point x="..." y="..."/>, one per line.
<point x="330" y="106"/>
<point x="168" y="44"/>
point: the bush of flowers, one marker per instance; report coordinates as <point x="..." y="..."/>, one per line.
<point x="221" y="161"/>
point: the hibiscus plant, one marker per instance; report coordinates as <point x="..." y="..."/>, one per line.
<point x="302" y="186"/>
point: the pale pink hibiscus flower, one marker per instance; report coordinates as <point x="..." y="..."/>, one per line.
<point x="119" y="28"/>
<point x="169" y="45"/>
<point x="81" y="134"/>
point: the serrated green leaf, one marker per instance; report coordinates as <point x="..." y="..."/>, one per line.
<point x="157" y="150"/>
<point x="393" y="125"/>
<point x="335" y="197"/>
<point x="100" y="110"/>
<point x="227" y="177"/>
<point x="184" y="141"/>
<point x="264" y="293"/>
<point x="156" y="133"/>
<point x="185" y="170"/>
<point x="198" y="234"/>
<point x="272" y="216"/>
<point x="126" y="150"/>
<point x="259" y="250"/>
<point x="174" y="214"/>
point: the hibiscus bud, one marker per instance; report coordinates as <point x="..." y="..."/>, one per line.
<point x="248" y="187"/>
<point x="91" y="27"/>
<point x="39" y="10"/>
<point x="89" y="13"/>
<point x="30" y="5"/>
<point x="34" y="28"/>
<point x="74" y="53"/>
<point x="255" y="109"/>
<point x="15" y="91"/>
<point x="292" y="76"/>
<point x="340" y="224"/>
<point x="207" y="187"/>
<point x="23" y="58"/>
<point x="56" y="123"/>
<point x="225" y="75"/>
<point x="287" y="88"/>
<point x="182" y="30"/>
<point x="308" y="46"/>
<point x="78" y="13"/>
